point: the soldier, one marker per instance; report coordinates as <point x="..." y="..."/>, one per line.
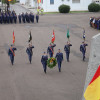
<point x="32" y="18"/>
<point x="0" y="18"/>
<point x="11" y="53"/>
<point x="50" y="49"/>
<point x="7" y="18"/>
<point x="15" y="18"/>
<point x="30" y="52"/>
<point x="44" y="61"/>
<point x="23" y="17"/>
<point x="59" y="57"/>
<point x="83" y="49"/>
<point x="37" y="18"/>
<point x="67" y="50"/>
<point x="11" y="18"/>
<point x="19" y="16"/>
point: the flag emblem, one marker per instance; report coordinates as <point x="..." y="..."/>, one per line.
<point x="13" y="38"/>
<point x="53" y="37"/>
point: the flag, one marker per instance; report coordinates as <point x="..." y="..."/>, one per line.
<point x="39" y="1"/>
<point x="13" y="38"/>
<point x="68" y="35"/>
<point x="53" y="37"/>
<point x="93" y="90"/>
<point x="30" y="37"/>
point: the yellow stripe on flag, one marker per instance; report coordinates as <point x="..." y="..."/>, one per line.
<point x="93" y="90"/>
<point x="39" y="1"/>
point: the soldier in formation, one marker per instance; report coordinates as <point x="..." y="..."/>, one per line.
<point x="44" y="61"/>
<point x="30" y="52"/>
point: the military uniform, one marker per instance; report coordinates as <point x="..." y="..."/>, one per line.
<point x="59" y="57"/>
<point x="83" y="49"/>
<point x="67" y="50"/>
<point x="23" y="17"/>
<point x="30" y="52"/>
<point x="50" y="50"/>
<point x="11" y="53"/>
<point x="0" y="18"/>
<point x="11" y="18"/>
<point x="44" y="61"/>
<point x="19" y="16"/>
<point x="37" y="18"/>
<point x="15" y="18"/>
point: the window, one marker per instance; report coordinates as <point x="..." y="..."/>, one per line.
<point x="75" y="1"/>
<point x="51" y="1"/>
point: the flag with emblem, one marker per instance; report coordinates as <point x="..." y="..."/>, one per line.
<point x="39" y="1"/>
<point x="13" y="38"/>
<point x="53" y="37"/>
<point x="93" y="90"/>
<point x="68" y="35"/>
<point x="30" y="37"/>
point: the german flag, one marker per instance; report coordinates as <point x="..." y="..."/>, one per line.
<point x="39" y="1"/>
<point x="13" y="38"/>
<point x="93" y="90"/>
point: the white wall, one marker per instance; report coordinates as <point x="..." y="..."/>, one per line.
<point x="83" y="5"/>
<point x="22" y="1"/>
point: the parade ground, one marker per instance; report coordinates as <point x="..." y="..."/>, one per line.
<point x="25" y="81"/>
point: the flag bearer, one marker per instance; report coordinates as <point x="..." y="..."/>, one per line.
<point x="67" y="50"/>
<point x="83" y="49"/>
<point x="11" y="53"/>
<point x="59" y="57"/>
<point x="50" y="49"/>
<point x="44" y="61"/>
<point x="30" y="52"/>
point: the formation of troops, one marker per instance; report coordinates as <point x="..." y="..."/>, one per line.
<point x="95" y="22"/>
<point x="11" y="17"/>
<point x="50" y="51"/>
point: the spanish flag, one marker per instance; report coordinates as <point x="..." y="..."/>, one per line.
<point x="13" y="38"/>
<point x="93" y="90"/>
<point x="53" y="37"/>
<point x="39" y="1"/>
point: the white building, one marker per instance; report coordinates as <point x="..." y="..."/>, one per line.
<point x="52" y="5"/>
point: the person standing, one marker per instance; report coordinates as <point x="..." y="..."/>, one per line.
<point x="50" y="49"/>
<point x="83" y="49"/>
<point x="44" y="61"/>
<point x="19" y="17"/>
<point x="30" y="52"/>
<point x="15" y="18"/>
<point x="67" y="50"/>
<point x="37" y="18"/>
<point x="0" y="18"/>
<point x="11" y="53"/>
<point x="59" y="57"/>
<point x="23" y="17"/>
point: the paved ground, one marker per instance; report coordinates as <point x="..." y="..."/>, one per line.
<point x="28" y="82"/>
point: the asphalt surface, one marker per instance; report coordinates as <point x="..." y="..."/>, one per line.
<point x="25" y="81"/>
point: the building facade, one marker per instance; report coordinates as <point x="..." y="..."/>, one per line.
<point x="52" y="5"/>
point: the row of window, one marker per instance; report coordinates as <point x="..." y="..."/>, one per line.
<point x="73" y="1"/>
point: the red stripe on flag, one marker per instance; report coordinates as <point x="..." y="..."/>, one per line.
<point x="53" y="37"/>
<point x="97" y="74"/>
